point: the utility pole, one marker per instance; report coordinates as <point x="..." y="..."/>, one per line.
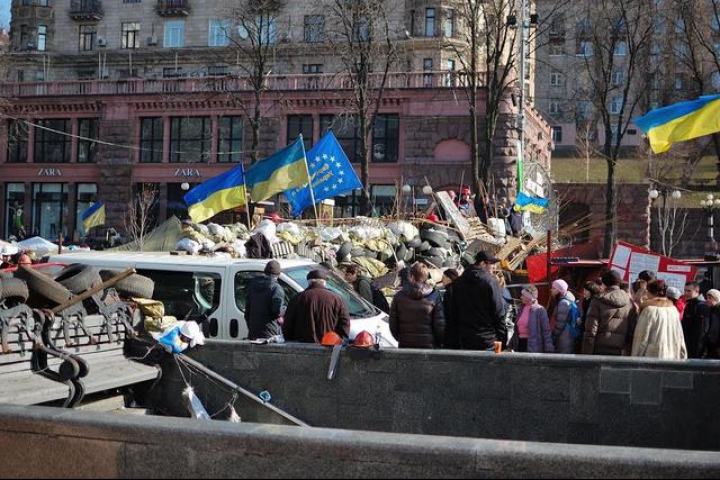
<point x="525" y="25"/>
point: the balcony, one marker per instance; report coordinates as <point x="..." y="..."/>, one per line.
<point x="227" y="84"/>
<point x="86" y="10"/>
<point x="173" y="8"/>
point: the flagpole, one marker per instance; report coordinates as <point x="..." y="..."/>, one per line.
<point x="247" y="208"/>
<point x="310" y="182"/>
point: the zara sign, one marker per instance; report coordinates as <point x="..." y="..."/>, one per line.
<point x="50" y="172"/>
<point x="188" y="173"/>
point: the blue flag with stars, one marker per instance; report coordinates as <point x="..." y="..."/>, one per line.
<point x="331" y="172"/>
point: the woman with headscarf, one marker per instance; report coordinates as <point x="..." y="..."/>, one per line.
<point x="565" y="341"/>
<point x="533" y="325"/>
<point x="659" y="332"/>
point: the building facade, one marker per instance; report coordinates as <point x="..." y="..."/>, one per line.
<point x="106" y="98"/>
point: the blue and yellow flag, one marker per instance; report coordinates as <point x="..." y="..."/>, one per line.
<point x="524" y="203"/>
<point x="217" y="195"/>
<point x="332" y="175"/>
<point x="94" y="216"/>
<point x="681" y="122"/>
<point x="285" y="170"/>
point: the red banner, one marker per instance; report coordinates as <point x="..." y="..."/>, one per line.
<point x="630" y="260"/>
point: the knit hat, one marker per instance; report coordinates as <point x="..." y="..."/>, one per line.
<point x="673" y="293"/>
<point x="714" y="294"/>
<point x="273" y="268"/>
<point x="561" y="286"/>
<point x="317" y="275"/>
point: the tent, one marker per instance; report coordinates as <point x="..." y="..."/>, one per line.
<point x="163" y="239"/>
<point x="38" y="245"/>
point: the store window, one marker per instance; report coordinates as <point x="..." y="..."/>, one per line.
<point x="386" y="139"/>
<point x="87" y="149"/>
<point x="190" y="139"/>
<point x="230" y="144"/>
<point x="50" y="209"/>
<point x="15" y="210"/>
<point x="176" y="206"/>
<point x="17" y="142"/>
<point x="53" y="141"/>
<point x="151" y="140"/>
<point x="86" y="195"/>
<point x="301" y="125"/>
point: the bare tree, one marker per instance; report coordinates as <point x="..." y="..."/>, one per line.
<point x="139" y="219"/>
<point x="586" y="143"/>
<point x="256" y="44"/>
<point x="363" y="39"/>
<point x="614" y="40"/>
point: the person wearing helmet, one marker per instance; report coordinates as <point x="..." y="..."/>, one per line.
<point x="316" y="312"/>
<point x="265" y="304"/>
<point x="417" y="318"/>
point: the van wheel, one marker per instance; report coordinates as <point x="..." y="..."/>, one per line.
<point x="135" y="286"/>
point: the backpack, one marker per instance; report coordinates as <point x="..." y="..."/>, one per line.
<point x="574" y="323"/>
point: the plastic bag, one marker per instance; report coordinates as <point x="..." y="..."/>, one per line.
<point x="188" y="245"/>
<point x="194" y="405"/>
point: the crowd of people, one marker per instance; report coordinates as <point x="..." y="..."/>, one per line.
<point x="474" y="311"/>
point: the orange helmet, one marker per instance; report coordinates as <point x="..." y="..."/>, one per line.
<point x="24" y="260"/>
<point x="364" y="340"/>
<point x="331" y="339"/>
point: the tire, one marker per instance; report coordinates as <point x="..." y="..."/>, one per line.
<point x="438" y="252"/>
<point x="43" y="286"/>
<point x="371" y="254"/>
<point x="409" y="256"/>
<point x="401" y="252"/>
<point x="415" y="243"/>
<point x="437" y="262"/>
<point x="135" y="286"/>
<point x="435" y="239"/>
<point x="344" y="251"/>
<point x="14" y="289"/>
<point x="425" y="247"/>
<point x="79" y="278"/>
<point x="357" y="252"/>
<point x="467" y="259"/>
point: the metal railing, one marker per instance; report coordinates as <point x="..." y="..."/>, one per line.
<point x="173" y="7"/>
<point x="283" y="83"/>
<point x="86" y="8"/>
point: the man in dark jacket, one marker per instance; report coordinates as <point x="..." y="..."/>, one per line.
<point x="417" y="319"/>
<point x="362" y="285"/>
<point x="315" y="312"/>
<point x="610" y="324"/>
<point x="692" y="321"/>
<point x="265" y="304"/>
<point x="477" y="312"/>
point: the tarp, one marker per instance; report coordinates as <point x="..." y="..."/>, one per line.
<point x="38" y="245"/>
<point x="163" y="239"/>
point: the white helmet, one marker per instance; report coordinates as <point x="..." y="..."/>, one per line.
<point x="192" y="331"/>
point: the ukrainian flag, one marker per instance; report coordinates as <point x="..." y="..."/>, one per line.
<point x="217" y="195"/>
<point x="681" y="122"/>
<point x="525" y="203"/>
<point x="94" y="216"/>
<point x="283" y="171"/>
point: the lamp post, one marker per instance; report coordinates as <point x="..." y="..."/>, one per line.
<point x="666" y="215"/>
<point x="709" y="205"/>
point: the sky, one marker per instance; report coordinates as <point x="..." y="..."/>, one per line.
<point x="5" y="13"/>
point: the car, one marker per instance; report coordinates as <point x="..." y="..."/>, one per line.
<point x="217" y="289"/>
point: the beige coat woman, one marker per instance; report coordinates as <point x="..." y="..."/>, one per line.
<point x="659" y="332"/>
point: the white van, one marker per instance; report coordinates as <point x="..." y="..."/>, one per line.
<point x="218" y="288"/>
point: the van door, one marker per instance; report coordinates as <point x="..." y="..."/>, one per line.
<point x="242" y="278"/>
<point x="191" y="294"/>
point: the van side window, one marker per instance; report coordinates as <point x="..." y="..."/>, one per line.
<point x="186" y="295"/>
<point x="243" y="281"/>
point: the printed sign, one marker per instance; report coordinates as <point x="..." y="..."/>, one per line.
<point x="631" y="260"/>
<point x="50" y="172"/>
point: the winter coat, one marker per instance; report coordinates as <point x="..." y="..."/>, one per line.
<point x="696" y="310"/>
<point x="417" y="317"/>
<point x="477" y="310"/>
<point x="314" y="313"/>
<point x="564" y="341"/>
<point x="540" y="339"/>
<point x="258" y="247"/>
<point x="659" y="332"/>
<point x="711" y="329"/>
<point x="265" y="305"/>
<point x="610" y="324"/>
<point x="363" y="287"/>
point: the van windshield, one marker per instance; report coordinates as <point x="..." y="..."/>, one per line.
<point x="357" y="307"/>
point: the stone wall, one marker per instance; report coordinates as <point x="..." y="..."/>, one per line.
<point x="633" y="211"/>
<point x="544" y="398"/>
<point x="51" y="443"/>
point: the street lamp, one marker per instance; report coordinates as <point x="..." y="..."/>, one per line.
<point x="654" y="194"/>
<point x="185" y="186"/>
<point x="709" y="206"/>
<point x="427" y="190"/>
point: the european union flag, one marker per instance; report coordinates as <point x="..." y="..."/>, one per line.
<point x="331" y="172"/>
